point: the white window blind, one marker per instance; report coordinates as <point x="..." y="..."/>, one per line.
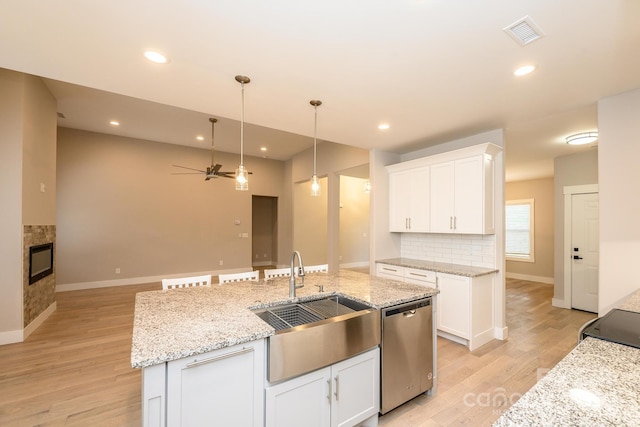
<point x="519" y="220"/>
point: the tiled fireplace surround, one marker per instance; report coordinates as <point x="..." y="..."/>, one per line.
<point x="41" y="294"/>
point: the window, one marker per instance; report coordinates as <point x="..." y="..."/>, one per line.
<point x="519" y="230"/>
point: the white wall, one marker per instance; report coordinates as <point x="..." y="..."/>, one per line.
<point x="619" y="177"/>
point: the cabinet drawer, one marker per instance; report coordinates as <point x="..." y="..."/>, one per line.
<point x="419" y="277"/>
<point x="390" y="271"/>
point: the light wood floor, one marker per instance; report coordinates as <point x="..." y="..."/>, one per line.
<point x="74" y="369"/>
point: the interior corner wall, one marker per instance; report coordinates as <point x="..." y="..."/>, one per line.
<point x="574" y="169"/>
<point x="11" y="134"/>
<point x="541" y="191"/>
<point x="618" y="154"/>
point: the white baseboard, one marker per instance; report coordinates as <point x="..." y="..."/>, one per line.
<point x="560" y="303"/>
<point x="39" y="320"/>
<point x="501" y="333"/>
<point x="139" y="280"/>
<point x="11" y="337"/>
<point x="529" y="278"/>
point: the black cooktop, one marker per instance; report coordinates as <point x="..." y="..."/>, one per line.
<point x="619" y="326"/>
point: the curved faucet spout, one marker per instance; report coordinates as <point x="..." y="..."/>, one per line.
<point x="292" y="279"/>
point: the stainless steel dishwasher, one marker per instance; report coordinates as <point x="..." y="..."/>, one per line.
<point x="407" y="353"/>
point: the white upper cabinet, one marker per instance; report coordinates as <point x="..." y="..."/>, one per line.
<point x="462" y="196"/>
<point x="457" y="192"/>
<point x="409" y="200"/>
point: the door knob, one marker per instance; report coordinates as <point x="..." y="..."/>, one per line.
<point x="577" y="257"/>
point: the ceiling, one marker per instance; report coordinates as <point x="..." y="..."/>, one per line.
<point x="435" y="70"/>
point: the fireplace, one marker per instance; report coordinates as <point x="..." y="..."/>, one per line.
<point x="40" y="262"/>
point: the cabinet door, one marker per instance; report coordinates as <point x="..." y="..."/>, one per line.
<point x="469" y="195"/>
<point x="409" y="200"/>
<point x="224" y="385"/>
<point x="442" y="197"/>
<point x="454" y="309"/>
<point x="302" y="401"/>
<point x="399" y="200"/>
<point x="356" y="389"/>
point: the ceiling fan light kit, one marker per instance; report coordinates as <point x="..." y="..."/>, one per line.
<point x="315" y="185"/>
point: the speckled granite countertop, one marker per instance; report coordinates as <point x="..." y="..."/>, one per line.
<point x="597" y="384"/>
<point x="439" y="267"/>
<point x="178" y="323"/>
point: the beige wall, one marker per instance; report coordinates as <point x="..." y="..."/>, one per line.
<point x="310" y="223"/>
<point x="354" y="221"/>
<point x="119" y="206"/>
<point x="575" y="169"/>
<point x="11" y="134"/>
<point x="27" y="158"/>
<point x="619" y="151"/>
<point x="541" y="190"/>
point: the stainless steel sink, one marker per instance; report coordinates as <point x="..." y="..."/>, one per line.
<point x="314" y="334"/>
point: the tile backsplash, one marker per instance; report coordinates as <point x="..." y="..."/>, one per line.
<point x="466" y="249"/>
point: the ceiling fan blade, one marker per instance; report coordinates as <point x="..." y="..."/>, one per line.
<point x="187" y="173"/>
<point x="193" y="169"/>
<point x="216" y="168"/>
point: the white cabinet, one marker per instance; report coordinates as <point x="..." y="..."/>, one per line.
<point x="344" y="394"/>
<point x="466" y="308"/>
<point x="409" y="200"/>
<point x="462" y="196"/>
<point x="222" y="387"/>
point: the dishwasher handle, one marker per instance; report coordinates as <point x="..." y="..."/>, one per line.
<point x="407" y="310"/>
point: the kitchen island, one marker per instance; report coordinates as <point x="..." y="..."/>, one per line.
<point x="596" y="384"/>
<point x="194" y="325"/>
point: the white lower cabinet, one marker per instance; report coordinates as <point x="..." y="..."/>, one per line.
<point x="344" y="394"/>
<point x="466" y="308"/>
<point x="222" y="387"/>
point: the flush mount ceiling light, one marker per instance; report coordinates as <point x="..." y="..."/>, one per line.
<point x="582" y="138"/>
<point x="156" y="57"/>
<point x="383" y="126"/>
<point x="524" y="70"/>
<point x="315" y="185"/>
<point x="114" y="123"/>
<point x="242" y="180"/>
<point x="200" y="138"/>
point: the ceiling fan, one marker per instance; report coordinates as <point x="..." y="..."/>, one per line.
<point x="212" y="171"/>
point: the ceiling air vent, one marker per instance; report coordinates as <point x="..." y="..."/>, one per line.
<point x="524" y="31"/>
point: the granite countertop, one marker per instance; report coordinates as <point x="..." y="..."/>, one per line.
<point x="439" y="267"/>
<point x="178" y="323"/>
<point x="597" y="383"/>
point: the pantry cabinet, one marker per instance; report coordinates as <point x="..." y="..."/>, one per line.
<point x="344" y="394"/>
<point x="409" y="200"/>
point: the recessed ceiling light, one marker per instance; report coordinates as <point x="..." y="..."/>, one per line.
<point x="582" y="138"/>
<point x="156" y="57"/>
<point x="383" y="126"/>
<point x="263" y="149"/>
<point x="200" y="138"/>
<point x="524" y="70"/>
<point x="114" y="123"/>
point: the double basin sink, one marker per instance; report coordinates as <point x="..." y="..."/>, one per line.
<point x="313" y="334"/>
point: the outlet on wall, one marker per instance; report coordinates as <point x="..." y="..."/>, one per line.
<point x="117" y="270"/>
<point x="221" y="262"/>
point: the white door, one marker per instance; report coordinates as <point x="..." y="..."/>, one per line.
<point x="584" y="251"/>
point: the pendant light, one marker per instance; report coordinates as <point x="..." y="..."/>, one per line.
<point x="242" y="179"/>
<point x="315" y="185"/>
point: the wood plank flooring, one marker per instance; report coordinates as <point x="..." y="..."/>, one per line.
<point x="74" y="370"/>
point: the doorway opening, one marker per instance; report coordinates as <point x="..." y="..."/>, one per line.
<point x="264" y="226"/>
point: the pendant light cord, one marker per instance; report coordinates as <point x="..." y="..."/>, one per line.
<point x="315" y="131"/>
<point x="242" y="127"/>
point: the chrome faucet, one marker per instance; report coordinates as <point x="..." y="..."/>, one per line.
<point x="292" y="279"/>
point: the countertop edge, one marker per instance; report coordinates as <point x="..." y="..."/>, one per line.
<point x="439" y="267"/>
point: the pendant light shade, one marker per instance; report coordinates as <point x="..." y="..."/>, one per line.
<point x="315" y="185"/>
<point x="242" y="176"/>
